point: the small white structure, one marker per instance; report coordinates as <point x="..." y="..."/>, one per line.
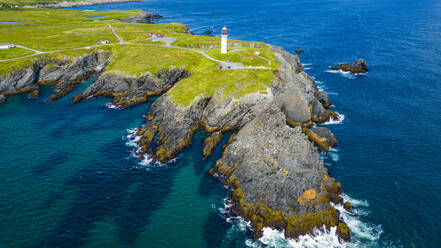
<point x="105" y="42"/>
<point x="224" y="41"/>
<point x="257" y="52"/>
<point x="6" y="45"/>
<point x="156" y="35"/>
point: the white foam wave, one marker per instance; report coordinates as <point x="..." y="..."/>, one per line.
<point x="362" y="233"/>
<point x="307" y="68"/>
<point x="146" y="160"/>
<point x="346" y="74"/>
<point x="111" y="106"/>
<point x="305" y="64"/>
<point x="341" y="118"/>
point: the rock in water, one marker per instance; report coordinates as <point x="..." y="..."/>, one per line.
<point x="208" y="32"/>
<point x="34" y="94"/>
<point x="358" y="66"/>
<point x="143" y="17"/>
<point x="2" y="98"/>
<point x="299" y="51"/>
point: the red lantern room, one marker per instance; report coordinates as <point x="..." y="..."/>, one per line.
<point x="224" y="30"/>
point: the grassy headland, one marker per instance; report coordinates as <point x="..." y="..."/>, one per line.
<point x="67" y="34"/>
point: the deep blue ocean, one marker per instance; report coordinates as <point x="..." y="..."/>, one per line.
<point x="68" y="179"/>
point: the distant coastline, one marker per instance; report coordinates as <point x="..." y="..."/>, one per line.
<point x="66" y="4"/>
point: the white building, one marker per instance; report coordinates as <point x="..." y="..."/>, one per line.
<point x="224" y="41"/>
<point x="6" y="45"/>
<point x="105" y="42"/>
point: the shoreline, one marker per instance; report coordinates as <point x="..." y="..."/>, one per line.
<point x="65" y="4"/>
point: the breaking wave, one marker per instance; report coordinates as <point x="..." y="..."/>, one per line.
<point x="341" y="118"/>
<point x="111" y="106"/>
<point x="147" y="161"/>
<point x="345" y="74"/>
<point x="363" y="234"/>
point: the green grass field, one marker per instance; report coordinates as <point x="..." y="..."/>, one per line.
<point x="54" y="30"/>
<point x="32" y="2"/>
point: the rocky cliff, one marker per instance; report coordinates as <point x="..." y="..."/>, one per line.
<point x="64" y="73"/>
<point x="271" y="164"/>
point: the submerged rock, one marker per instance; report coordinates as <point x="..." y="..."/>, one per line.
<point x="34" y="94"/>
<point x="208" y="32"/>
<point x="299" y="51"/>
<point x="358" y="66"/>
<point x="143" y="17"/>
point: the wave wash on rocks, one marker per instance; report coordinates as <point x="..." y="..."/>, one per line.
<point x="270" y="162"/>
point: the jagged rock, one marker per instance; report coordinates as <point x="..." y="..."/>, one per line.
<point x="127" y="91"/>
<point x="347" y="206"/>
<point x="327" y="134"/>
<point x="323" y="98"/>
<point x="208" y="32"/>
<point x="318" y="113"/>
<point x="2" y="98"/>
<point x="299" y="51"/>
<point x="211" y="142"/>
<point x="277" y="177"/>
<point x="358" y="66"/>
<point x="143" y="17"/>
<point x="34" y="94"/>
<point x="295" y="106"/>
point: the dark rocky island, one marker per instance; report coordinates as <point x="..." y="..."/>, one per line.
<point x="271" y="162"/>
<point x="358" y="66"/>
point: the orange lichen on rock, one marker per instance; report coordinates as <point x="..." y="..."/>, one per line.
<point x="307" y="195"/>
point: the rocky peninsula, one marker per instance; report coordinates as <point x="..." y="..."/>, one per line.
<point x="271" y="161"/>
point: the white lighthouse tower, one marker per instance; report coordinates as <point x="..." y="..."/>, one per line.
<point x="224" y="41"/>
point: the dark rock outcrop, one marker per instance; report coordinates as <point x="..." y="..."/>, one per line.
<point x="127" y="91"/>
<point x="208" y="32"/>
<point x="2" y="98"/>
<point x="66" y="74"/>
<point x="358" y="66"/>
<point x="143" y="17"/>
<point x="211" y="142"/>
<point x="295" y="106"/>
<point x="322" y="137"/>
<point x="299" y="51"/>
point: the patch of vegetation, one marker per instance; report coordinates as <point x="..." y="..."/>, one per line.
<point x="14" y="53"/>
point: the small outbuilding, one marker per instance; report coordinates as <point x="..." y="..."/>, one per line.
<point x="6" y="45"/>
<point x="156" y="35"/>
<point x="257" y="52"/>
<point x="105" y="42"/>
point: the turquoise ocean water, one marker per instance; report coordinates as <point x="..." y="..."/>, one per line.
<point x="68" y="177"/>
